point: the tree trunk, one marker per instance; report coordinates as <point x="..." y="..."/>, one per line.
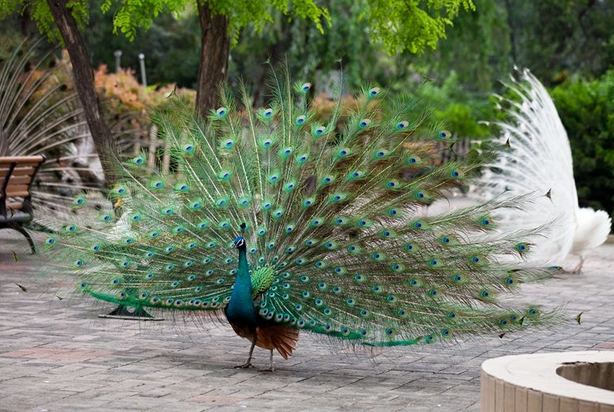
<point x="83" y="75"/>
<point x="214" y="52"/>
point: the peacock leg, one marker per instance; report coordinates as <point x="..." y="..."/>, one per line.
<point x="578" y="268"/>
<point x="248" y="364"/>
<point x="270" y="369"/>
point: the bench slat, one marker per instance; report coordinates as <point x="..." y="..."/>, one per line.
<point x="14" y="206"/>
<point x="23" y="172"/>
<point x="19" y="167"/>
<point x="18" y="180"/>
<point x="17" y="188"/>
<point x="25" y="160"/>
<point x="17" y="193"/>
<point x="19" y="170"/>
<point x="18" y="174"/>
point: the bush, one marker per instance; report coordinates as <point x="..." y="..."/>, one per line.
<point x="587" y="111"/>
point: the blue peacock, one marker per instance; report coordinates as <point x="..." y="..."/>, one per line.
<point x="286" y="220"/>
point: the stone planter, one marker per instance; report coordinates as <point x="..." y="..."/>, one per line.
<point x="549" y="382"/>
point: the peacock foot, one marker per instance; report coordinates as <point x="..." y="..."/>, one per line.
<point x="578" y="268"/>
<point x="266" y="370"/>
<point x="244" y="366"/>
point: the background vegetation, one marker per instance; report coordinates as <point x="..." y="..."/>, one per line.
<point x="568" y="44"/>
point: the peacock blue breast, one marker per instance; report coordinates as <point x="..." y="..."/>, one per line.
<point x="240" y="309"/>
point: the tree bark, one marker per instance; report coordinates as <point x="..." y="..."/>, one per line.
<point x="83" y="75"/>
<point x="214" y="53"/>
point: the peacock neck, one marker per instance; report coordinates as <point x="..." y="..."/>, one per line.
<point x="241" y="306"/>
<point x="243" y="270"/>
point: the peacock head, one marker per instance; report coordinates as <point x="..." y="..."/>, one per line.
<point x="239" y="242"/>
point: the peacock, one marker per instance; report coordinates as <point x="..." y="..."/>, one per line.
<point x="537" y="159"/>
<point x="285" y="219"/>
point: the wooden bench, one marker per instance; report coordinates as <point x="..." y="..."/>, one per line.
<point x="17" y="174"/>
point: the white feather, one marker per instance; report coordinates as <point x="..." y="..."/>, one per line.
<point x="539" y="161"/>
<point x="592" y="230"/>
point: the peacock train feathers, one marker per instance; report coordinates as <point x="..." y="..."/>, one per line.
<point x="537" y="159"/>
<point x="287" y="222"/>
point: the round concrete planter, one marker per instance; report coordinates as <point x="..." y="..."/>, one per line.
<point x="549" y="382"/>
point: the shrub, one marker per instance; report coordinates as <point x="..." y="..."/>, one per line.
<point x="587" y="111"/>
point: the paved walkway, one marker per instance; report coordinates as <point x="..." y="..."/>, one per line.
<point x="57" y="355"/>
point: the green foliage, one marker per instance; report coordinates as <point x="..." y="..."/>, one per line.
<point x="38" y="11"/>
<point x="462" y="110"/>
<point x="453" y="106"/>
<point x="587" y="111"/>
<point x="477" y="68"/>
<point x="7" y="7"/>
<point x="411" y="25"/>
<point x="349" y="45"/>
<point x="243" y="12"/>
<point x="356" y="29"/>
<point x="555" y="38"/>
<point x="171" y="47"/>
<point x="133" y="14"/>
<point x="309" y="54"/>
<point x="8" y="44"/>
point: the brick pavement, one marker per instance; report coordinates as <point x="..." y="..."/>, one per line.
<point x="57" y="355"/>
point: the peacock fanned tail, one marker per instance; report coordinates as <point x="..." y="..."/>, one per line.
<point x="534" y="157"/>
<point x="337" y="239"/>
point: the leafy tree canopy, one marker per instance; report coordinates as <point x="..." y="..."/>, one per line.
<point x="39" y="12"/>
<point x="134" y="14"/>
<point x="397" y="25"/>
<point x="411" y="25"/>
